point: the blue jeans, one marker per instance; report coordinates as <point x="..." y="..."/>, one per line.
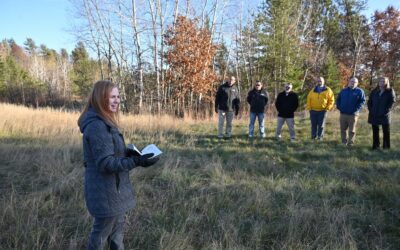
<point x="317" y="123"/>
<point x="253" y="117"/>
<point x="108" y="231"/>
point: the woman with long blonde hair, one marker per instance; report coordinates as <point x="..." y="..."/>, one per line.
<point x="380" y="104"/>
<point x="108" y="190"/>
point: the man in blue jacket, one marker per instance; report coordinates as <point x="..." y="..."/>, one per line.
<point x="350" y="101"/>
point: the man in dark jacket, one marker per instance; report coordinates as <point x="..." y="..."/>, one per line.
<point x="350" y="101"/>
<point x="380" y="104"/>
<point x="227" y="103"/>
<point x="258" y="99"/>
<point x="286" y="104"/>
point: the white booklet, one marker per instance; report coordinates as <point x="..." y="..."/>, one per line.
<point x="151" y="148"/>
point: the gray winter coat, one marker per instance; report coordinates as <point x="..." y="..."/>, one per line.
<point x="108" y="190"/>
<point x="380" y="106"/>
<point x="227" y="98"/>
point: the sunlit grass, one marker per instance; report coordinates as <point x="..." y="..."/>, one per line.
<point x="205" y="193"/>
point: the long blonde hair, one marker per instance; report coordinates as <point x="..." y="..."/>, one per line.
<point x="386" y="79"/>
<point x="98" y="100"/>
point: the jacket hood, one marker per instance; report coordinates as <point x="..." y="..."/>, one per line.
<point x="90" y="116"/>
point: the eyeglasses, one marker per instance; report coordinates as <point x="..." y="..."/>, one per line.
<point x="258" y="85"/>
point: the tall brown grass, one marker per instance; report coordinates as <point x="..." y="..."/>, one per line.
<point x="204" y="193"/>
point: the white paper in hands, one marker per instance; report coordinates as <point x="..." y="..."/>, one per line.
<point x="151" y="148"/>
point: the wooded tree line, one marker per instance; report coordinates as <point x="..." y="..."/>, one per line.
<point x="170" y="56"/>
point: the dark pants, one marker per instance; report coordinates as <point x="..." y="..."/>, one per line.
<point x="108" y="231"/>
<point x="386" y="136"/>
<point x="317" y="123"/>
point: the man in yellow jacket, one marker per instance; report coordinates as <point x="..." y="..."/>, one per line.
<point x="319" y="100"/>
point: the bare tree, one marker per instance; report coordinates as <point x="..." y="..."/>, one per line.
<point x="139" y="53"/>
<point x="155" y="11"/>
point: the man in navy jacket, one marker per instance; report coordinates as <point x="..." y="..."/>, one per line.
<point x="258" y="100"/>
<point x="350" y="101"/>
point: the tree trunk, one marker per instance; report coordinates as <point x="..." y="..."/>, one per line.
<point x="154" y="12"/>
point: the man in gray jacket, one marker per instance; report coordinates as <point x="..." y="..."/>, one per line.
<point x="227" y="103"/>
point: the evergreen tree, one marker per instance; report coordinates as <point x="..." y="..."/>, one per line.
<point x="221" y="60"/>
<point x="83" y="73"/>
<point x="64" y="54"/>
<point x="30" y="46"/>
<point x="347" y="33"/>
<point x="332" y="74"/>
<point x="3" y="77"/>
<point x="18" y="85"/>
<point x="282" y="59"/>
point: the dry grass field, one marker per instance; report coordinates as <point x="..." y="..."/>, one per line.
<point x="204" y="193"/>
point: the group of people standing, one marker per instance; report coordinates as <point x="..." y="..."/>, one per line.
<point x="108" y="190"/>
<point x="320" y="100"/>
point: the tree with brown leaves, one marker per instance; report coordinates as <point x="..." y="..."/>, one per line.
<point x="384" y="45"/>
<point x="189" y="57"/>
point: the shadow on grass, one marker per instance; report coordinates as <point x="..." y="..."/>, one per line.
<point x="253" y="194"/>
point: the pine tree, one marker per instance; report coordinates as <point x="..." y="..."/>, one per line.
<point x="3" y="77"/>
<point x="332" y="74"/>
<point x="83" y="73"/>
<point x="281" y="58"/>
<point x="30" y="46"/>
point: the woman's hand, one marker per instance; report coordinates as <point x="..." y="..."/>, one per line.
<point x="145" y="160"/>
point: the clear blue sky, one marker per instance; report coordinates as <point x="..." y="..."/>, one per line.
<point x="47" y="21"/>
<point x="380" y="5"/>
